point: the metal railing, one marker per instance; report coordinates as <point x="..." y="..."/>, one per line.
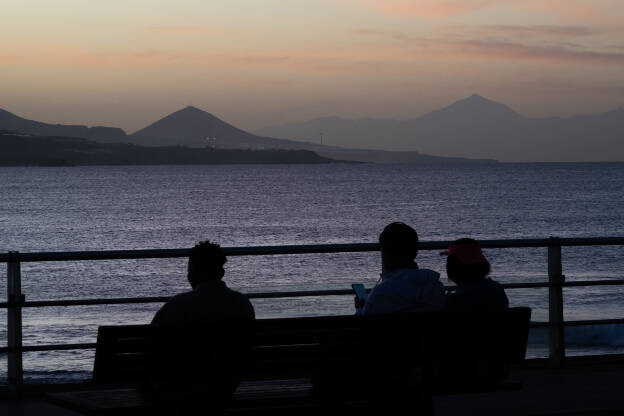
<point x="16" y="299"/>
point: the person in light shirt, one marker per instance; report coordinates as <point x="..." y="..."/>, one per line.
<point x="403" y="286"/>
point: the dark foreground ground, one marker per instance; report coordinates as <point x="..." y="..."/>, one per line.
<point x="582" y="388"/>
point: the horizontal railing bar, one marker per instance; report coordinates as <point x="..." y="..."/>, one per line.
<point x="580" y="323"/>
<point x="591" y="241"/>
<point x="275" y="295"/>
<point x="85" y="346"/>
<point x="594" y="322"/>
<point x="158" y="299"/>
<point x="614" y="282"/>
<point x="96" y="301"/>
<point x="53" y="347"/>
<point x="292" y="249"/>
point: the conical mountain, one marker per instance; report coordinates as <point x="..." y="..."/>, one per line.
<point x="193" y="127"/>
<point x="474" y="108"/>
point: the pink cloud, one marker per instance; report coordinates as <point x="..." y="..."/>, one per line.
<point x="426" y="8"/>
<point x="571" y="10"/>
<point x="394" y="48"/>
<point x="540" y="31"/>
<point x="514" y="51"/>
<point x="499" y="48"/>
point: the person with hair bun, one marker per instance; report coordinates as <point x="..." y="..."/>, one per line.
<point x="467" y="267"/>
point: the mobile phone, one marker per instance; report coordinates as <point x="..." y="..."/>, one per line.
<point x="360" y="291"/>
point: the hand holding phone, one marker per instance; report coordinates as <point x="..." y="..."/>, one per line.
<point x="360" y="292"/>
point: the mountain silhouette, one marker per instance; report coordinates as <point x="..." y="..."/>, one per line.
<point x="193" y="127"/>
<point x="474" y="108"/>
<point x="475" y="127"/>
<point x="471" y="128"/>
<point x="11" y="122"/>
<point x="197" y="128"/>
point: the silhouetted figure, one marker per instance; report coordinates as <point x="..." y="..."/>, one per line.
<point x="403" y="287"/>
<point x="467" y="267"/>
<point x="210" y="298"/>
<point x="202" y="340"/>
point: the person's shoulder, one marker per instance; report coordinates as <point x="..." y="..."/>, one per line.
<point x="173" y="308"/>
<point x="178" y="299"/>
<point x="243" y="301"/>
<point x="493" y="284"/>
<point x="491" y="281"/>
<point x="426" y="277"/>
<point x="236" y="294"/>
<point x="181" y="298"/>
<point x="429" y="274"/>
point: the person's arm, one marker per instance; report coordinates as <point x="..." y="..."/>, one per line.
<point x="374" y="303"/>
<point x="157" y="319"/>
<point x="359" y="305"/>
<point x="251" y="312"/>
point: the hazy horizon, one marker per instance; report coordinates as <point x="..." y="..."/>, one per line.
<point x="268" y="124"/>
<point x="259" y="64"/>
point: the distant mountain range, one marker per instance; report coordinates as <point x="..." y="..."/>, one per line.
<point x="193" y="127"/>
<point x="28" y="150"/>
<point x="196" y="128"/>
<point x="11" y="122"/>
<point x="475" y="127"/>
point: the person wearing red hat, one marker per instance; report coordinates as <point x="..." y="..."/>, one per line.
<point x="467" y="267"/>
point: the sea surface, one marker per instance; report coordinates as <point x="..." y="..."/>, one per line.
<point x="145" y="207"/>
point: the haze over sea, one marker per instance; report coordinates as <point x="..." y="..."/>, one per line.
<point x="143" y="207"/>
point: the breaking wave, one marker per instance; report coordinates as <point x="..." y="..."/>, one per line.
<point x="611" y="335"/>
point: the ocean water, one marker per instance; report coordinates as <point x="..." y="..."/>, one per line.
<point x="143" y="207"/>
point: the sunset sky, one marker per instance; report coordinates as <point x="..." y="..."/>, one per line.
<point x="255" y="63"/>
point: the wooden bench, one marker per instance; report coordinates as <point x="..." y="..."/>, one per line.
<point x="307" y="363"/>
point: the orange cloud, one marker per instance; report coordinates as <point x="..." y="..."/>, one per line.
<point x="438" y="9"/>
<point x="473" y="49"/>
<point x="182" y="29"/>
<point x="495" y="48"/>
<point x="67" y="56"/>
<point x="396" y="49"/>
<point x="427" y="8"/>
<point x="540" y="31"/>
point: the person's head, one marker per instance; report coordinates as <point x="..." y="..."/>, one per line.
<point x="399" y="246"/>
<point x="465" y="262"/>
<point x="206" y="262"/>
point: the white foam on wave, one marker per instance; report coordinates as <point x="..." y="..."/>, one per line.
<point x="611" y="335"/>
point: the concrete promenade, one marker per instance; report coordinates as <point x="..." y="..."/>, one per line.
<point x="582" y="388"/>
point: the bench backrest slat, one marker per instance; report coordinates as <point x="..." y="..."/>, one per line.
<point x="305" y="346"/>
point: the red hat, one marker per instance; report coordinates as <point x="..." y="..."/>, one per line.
<point x="467" y="253"/>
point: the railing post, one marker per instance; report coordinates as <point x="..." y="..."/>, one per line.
<point x="14" y="325"/>
<point x="555" y="302"/>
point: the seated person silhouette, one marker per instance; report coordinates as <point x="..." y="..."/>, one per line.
<point x="478" y="308"/>
<point x="210" y="298"/>
<point x="201" y="340"/>
<point x="467" y="267"/>
<point x="404" y="287"/>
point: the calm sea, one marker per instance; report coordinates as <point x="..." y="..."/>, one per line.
<point x="142" y="207"/>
